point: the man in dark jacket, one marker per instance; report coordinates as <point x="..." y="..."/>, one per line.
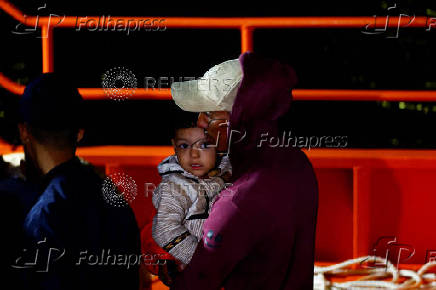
<point x="76" y="238"/>
<point x="260" y="233"/>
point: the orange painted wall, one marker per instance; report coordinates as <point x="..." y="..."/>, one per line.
<point x="364" y="195"/>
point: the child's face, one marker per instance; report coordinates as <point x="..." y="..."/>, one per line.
<point x="192" y="151"/>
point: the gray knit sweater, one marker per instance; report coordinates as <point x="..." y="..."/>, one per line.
<point x="183" y="202"/>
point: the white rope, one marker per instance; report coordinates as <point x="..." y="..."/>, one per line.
<point x="426" y="267"/>
<point x="414" y="280"/>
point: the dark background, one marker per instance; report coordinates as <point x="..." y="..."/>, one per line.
<point x="323" y="58"/>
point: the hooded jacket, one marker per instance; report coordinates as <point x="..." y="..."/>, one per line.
<point x="260" y="233"/>
<point x="183" y="203"/>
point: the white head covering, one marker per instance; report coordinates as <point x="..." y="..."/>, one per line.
<point x="215" y="91"/>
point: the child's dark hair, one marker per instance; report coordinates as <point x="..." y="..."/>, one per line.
<point x="181" y="119"/>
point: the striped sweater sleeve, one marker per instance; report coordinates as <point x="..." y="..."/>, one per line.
<point x="168" y="230"/>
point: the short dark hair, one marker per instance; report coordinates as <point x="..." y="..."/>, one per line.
<point x="182" y="119"/>
<point x="53" y="110"/>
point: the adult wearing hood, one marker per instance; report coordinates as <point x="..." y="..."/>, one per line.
<point x="260" y="233"/>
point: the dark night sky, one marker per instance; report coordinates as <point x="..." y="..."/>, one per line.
<point x="325" y="58"/>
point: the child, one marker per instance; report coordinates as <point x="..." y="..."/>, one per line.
<point x="185" y="196"/>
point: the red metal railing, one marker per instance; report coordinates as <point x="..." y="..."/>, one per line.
<point x="246" y="25"/>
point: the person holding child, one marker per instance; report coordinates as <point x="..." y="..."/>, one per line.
<point x="260" y="232"/>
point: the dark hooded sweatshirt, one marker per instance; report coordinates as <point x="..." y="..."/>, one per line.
<point x="260" y="233"/>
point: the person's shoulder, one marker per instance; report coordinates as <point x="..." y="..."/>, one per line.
<point x="77" y="180"/>
<point x="85" y="171"/>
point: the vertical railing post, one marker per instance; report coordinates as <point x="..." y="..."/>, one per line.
<point x="361" y="211"/>
<point x="47" y="48"/>
<point x="246" y="39"/>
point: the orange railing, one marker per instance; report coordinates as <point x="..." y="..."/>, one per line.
<point x="246" y="25"/>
